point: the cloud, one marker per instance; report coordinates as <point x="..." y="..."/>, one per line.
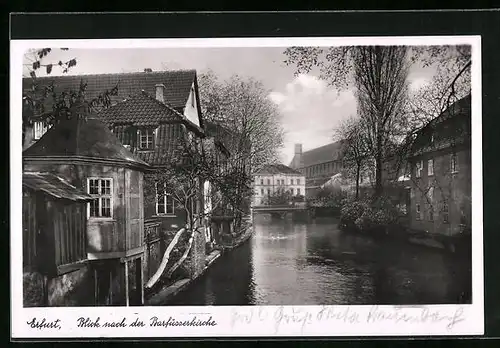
<point x="311" y="110"/>
<point x="418" y="82"/>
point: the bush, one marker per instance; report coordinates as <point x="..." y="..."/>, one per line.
<point x="352" y="211"/>
<point x="375" y="216"/>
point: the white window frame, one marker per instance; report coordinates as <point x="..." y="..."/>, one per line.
<point x="166" y="196"/>
<point x="39" y="129"/>
<point x="144" y="131"/>
<point x="99" y="196"/>
<point x="430" y="167"/>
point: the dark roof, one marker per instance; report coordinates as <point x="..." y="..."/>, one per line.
<point x="89" y="138"/>
<point x="319" y="155"/>
<point x="54" y="186"/>
<point x="177" y="84"/>
<point x="462" y="106"/>
<point x="277" y="169"/>
<point x="141" y="109"/>
<point x="448" y="128"/>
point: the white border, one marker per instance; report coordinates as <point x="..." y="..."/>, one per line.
<point x="248" y="320"/>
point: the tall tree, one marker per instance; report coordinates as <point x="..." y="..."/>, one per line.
<point x="355" y="151"/>
<point x="381" y="87"/>
<point x="377" y="74"/>
<point x="250" y="129"/>
<point x="242" y="105"/>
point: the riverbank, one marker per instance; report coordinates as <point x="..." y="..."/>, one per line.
<point x="454" y="244"/>
<point x="168" y="292"/>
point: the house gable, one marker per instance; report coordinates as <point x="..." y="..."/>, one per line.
<point x="192" y="108"/>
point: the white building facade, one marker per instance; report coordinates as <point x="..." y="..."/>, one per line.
<point x="275" y="178"/>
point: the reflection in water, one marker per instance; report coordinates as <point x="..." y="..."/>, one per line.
<point x="287" y="263"/>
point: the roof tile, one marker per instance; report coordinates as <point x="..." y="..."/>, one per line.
<point x="177" y="84"/>
<point x="140" y="109"/>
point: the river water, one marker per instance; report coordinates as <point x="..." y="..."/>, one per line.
<point x="287" y="263"/>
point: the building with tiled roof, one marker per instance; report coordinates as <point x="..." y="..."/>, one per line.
<point x="318" y="165"/>
<point x="87" y="243"/>
<point x="273" y="178"/>
<point x="441" y="172"/>
<point x="178" y="88"/>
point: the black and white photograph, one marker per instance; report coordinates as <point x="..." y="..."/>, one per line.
<point x="334" y="174"/>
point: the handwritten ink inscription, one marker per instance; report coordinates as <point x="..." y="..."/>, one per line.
<point x="300" y="317"/>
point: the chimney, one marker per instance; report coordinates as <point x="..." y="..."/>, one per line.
<point x="298" y="149"/>
<point x="159" y="91"/>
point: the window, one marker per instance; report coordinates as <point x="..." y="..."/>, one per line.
<point x="262" y="181"/>
<point x="454" y="163"/>
<point x="146" y="138"/>
<point x="298" y="181"/>
<point x="418" y="168"/>
<point x="268" y="181"/>
<point x="164" y="202"/>
<point x="102" y="192"/>
<point x="39" y="129"/>
<point x="262" y="192"/>
<point x="268" y="192"/>
<point x="291" y="181"/>
<point x="430" y="194"/>
<point x="298" y="191"/>
<point x="291" y="191"/>
<point x="402" y="208"/>
<point x="446" y="216"/>
<point x="430" y="167"/>
<point x="418" y="211"/>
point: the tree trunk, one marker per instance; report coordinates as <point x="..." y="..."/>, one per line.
<point x="378" y="166"/>
<point x="358" y="169"/>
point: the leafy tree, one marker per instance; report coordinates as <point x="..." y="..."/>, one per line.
<point x="378" y="75"/>
<point x="243" y="107"/>
<point x="355" y="151"/>
<point x="278" y="197"/>
<point x="253" y="133"/>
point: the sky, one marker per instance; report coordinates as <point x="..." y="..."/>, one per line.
<point x="310" y="109"/>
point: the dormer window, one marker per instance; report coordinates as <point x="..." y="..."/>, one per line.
<point x="146" y="139"/>
<point x="39" y="129"/>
